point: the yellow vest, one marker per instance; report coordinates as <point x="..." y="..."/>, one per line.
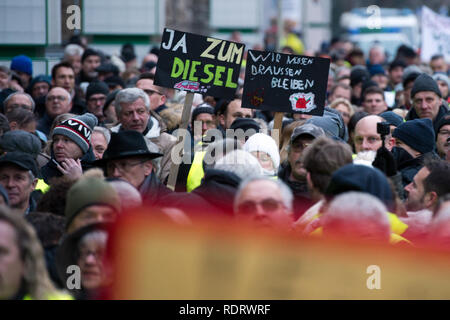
<point x="42" y="186"/>
<point x="196" y="172"/>
<point x="52" y="296"/>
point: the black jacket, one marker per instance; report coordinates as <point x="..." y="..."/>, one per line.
<point x="50" y="170"/>
<point x="44" y="124"/>
<point x="153" y="191"/>
<point x="302" y="200"/>
<point x="219" y="188"/>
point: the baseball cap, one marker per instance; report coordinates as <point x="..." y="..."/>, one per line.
<point x="307" y="129"/>
<point x="20" y="159"/>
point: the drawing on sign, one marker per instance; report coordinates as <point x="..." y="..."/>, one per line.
<point x="257" y="97"/>
<point x="303" y="102"/>
<point x="190" y="86"/>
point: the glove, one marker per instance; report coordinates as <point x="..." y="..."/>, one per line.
<point x="385" y="161"/>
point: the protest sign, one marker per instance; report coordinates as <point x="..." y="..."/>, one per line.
<point x="200" y="64"/>
<point x="435" y="35"/>
<point x="285" y="83"/>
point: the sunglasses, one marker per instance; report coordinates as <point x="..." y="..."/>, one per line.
<point x="268" y="205"/>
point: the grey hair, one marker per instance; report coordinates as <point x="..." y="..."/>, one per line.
<point x="350" y="207"/>
<point x="5" y="103"/>
<point x="241" y="163"/>
<point x="286" y="192"/>
<point x="73" y="50"/>
<point x="128" y="96"/>
<point x="106" y="133"/>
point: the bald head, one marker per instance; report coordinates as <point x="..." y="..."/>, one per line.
<point x="366" y="136"/>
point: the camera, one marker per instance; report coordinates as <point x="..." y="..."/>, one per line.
<point x="383" y="128"/>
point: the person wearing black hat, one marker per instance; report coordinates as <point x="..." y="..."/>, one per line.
<point x="71" y="150"/>
<point x="358" y="76"/>
<point x="95" y="99"/>
<point x="292" y="171"/>
<point x="248" y="126"/>
<point x="442" y="136"/>
<point x="415" y="140"/>
<point x="106" y="70"/>
<point x="204" y="114"/>
<point x="39" y="86"/>
<point x="395" y="73"/>
<point x="410" y="74"/>
<point x="90" y="60"/>
<point x="18" y="175"/>
<point x="128" y="157"/>
<point x="427" y="100"/>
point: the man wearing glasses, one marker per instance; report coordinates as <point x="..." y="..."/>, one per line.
<point x="18" y="100"/>
<point x="264" y="202"/>
<point x="58" y="101"/>
<point x="442" y="136"/>
<point x="128" y="157"/>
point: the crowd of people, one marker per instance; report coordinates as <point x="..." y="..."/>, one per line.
<point x="98" y="138"/>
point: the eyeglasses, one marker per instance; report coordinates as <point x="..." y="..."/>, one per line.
<point x="23" y="106"/>
<point x="54" y="98"/>
<point x="268" y="205"/>
<point x="149" y="92"/>
<point x="122" y="166"/>
<point x="444" y="132"/>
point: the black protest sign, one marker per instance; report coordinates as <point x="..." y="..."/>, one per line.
<point x="199" y="64"/>
<point x="285" y="83"/>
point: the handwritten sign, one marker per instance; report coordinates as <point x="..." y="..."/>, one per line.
<point x="285" y="83"/>
<point x="435" y="35"/>
<point x="199" y="64"/>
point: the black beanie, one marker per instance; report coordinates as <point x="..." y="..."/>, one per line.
<point x="425" y="83"/>
<point x="95" y="88"/>
<point x="417" y="133"/>
<point x="245" y="124"/>
<point x="442" y="122"/>
<point x="203" y="108"/>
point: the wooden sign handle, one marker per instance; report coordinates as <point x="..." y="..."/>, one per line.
<point x="277" y="123"/>
<point x="173" y="174"/>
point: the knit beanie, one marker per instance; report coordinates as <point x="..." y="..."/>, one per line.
<point x="330" y="127"/>
<point x="417" y="133"/>
<point x="425" y="83"/>
<point x="41" y="78"/>
<point x="265" y="143"/>
<point x="442" y="122"/>
<point x="89" y="191"/>
<point x="78" y="129"/>
<point x="245" y="124"/>
<point x="22" y="63"/>
<point x="442" y="77"/>
<point x="203" y="108"/>
<point x="95" y="88"/>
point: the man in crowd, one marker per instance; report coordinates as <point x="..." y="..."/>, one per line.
<point x="63" y="75"/>
<point x="90" y="60"/>
<point x="129" y="157"/>
<point x="18" y="175"/>
<point x="293" y="172"/>
<point x="133" y="112"/>
<point x="366" y="136"/>
<point x="58" y="101"/>
<point x="373" y="101"/>
<point x="442" y="136"/>
<point x="18" y="100"/>
<point x="71" y="148"/>
<point x="265" y="202"/>
<point x="427" y="100"/>
<point x="230" y="110"/>
<point x="95" y="99"/>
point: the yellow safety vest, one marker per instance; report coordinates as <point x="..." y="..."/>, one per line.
<point x="52" y="296"/>
<point x="42" y="186"/>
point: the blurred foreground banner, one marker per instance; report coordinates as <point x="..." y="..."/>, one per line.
<point x="162" y="260"/>
<point x="435" y="35"/>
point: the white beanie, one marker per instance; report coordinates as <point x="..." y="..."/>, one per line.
<point x="265" y="143"/>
